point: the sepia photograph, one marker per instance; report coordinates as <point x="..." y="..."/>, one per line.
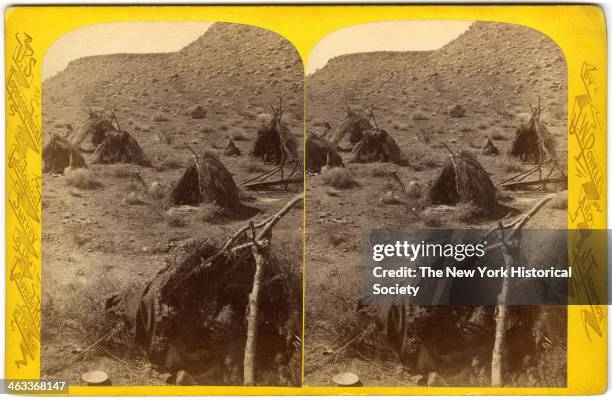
<point x="422" y="125"/>
<point x="172" y="206"/>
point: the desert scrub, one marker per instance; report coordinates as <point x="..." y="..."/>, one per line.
<point x="253" y="165"/>
<point x="79" y="305"/>
<point x="559" y="202"/>
<point x="123" y="171"/>
<point x="167" y="136"/>
<point x="339" y="178"/>
<point x="239" y="135"/>
<point x="174" y="220"/>
<point x="497" y="134"/>
<point x="509" y="165"/>
<point x="82" y="179"/>
<point x="419" y="115"/>
<point x="425" y="136"/>
<point x="172" y="163"/>
<point x="212" y="213"/>
<point x="377" y="170"/>
<point x="433" y="220"/>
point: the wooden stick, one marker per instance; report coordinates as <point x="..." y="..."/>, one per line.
<point x="525" y="173"/>
<point x="518" y="185"/>
<point x="267" y="173"/>
<point x="277" y="217"/>
<point x="260" y="256"/>
<point x="250" y="348"/>
<point x="509" y="251"/>
<point x="258" y="185"/>
<point x="195" y="160"/>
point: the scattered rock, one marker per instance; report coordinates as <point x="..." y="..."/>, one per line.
<point x="390" y="198"/>
<point x="197" y="112"/>
<point x="457" y="111"/>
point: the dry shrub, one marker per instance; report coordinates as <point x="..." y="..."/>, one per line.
<point x="338" y="178"/>
<point x="160" y="117"/>
<point x="379" y="171"/>
<point x="511" y="166"/>
<point x="123" y="171"/>
<point x="239" y="135"/>
<point x="433" y="220"/>
<point x="212" y="213"/>
<point x="497" y="134"/>
<point x="79" y="305"/>
<point x="156" y="190"/>
<point x="421" y="159"/>
<point x="174" y="220"/>
<point x="252" y="165"/>
<point x="264" y="118"/>
<point x="425" y="135"/>
<point x="82" y="179"/>
<point x="467" y="213"/>
<point x="337" y="237"/>
<point x="171" y="163"/>
<point x="419" y="115"/>
<point x="167" y="137"/>
<point x="559" y="202"/>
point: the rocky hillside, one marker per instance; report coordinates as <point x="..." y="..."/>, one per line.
<point x="492" y="68"/>
<point x="347" y="77"/>
<point x="231" y="69"/>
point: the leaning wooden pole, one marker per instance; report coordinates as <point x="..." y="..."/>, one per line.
<point x="260" y="254"/>
<point x="501" y="322"/>
<point x="250" y="349"/>
<point x="510" y="252"/>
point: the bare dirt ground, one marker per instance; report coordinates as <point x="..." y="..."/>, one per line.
<point x="95" y="240"/>
<point x="495" y="71"/>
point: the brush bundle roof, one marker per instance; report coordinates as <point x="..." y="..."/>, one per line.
<point x="206" y="180"/>
<point x="320" y="153"/>
<point x="274" y="143"/>
<point x="464" y="180"/>
<point x="533" y="141"/>
<point x="354" y="125"/>
<point x="59" y="154"/>
<point x="193" y="307"/>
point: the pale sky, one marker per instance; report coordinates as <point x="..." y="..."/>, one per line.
<point x="385" y="36"/>
<point x="120" y="37"/>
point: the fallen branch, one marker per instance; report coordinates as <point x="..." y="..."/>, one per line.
<point x="522" y="184"/>
<point x="261" y="185"/>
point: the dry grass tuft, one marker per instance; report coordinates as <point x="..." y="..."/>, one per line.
<point x="559" y="202"/>
<point x="253" y="165"/>
<point x="433" y="220"/>
<point x="82" y="179"/>
<point x="511" y="166"/>
<point x="339" y="178"/>
<point x="239" y="135"/>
